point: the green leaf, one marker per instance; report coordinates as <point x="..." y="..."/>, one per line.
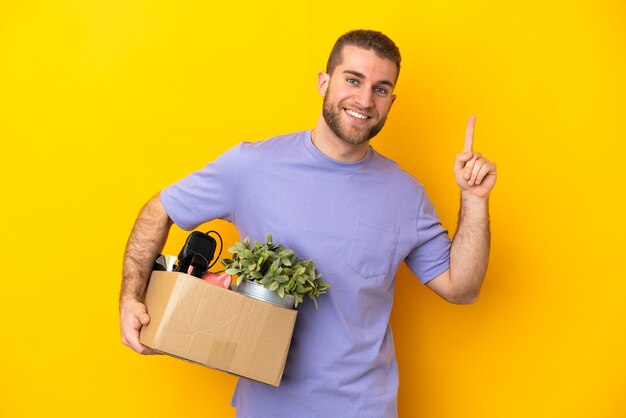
<point x="287" y="253"/>
<point x="282" y="278"/>
<point x="275" y="267"/>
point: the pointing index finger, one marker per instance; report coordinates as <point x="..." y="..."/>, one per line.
<point x="469" y="134"/>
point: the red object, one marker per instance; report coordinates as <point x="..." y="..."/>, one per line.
<point x="222" y="280"/>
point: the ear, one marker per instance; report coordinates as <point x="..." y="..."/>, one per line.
<point x="393" y="99"/>
<point x="322" y="83"/>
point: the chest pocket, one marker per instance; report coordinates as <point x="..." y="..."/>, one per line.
<point x="373" y="247"/>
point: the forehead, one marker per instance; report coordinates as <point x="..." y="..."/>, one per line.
<point x="366" y="62"/>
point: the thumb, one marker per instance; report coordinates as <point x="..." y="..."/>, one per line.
<point x="462" y="158"/>
<point x="144" y="319"/>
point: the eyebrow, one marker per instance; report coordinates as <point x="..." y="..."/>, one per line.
<point x="361" y="75"/>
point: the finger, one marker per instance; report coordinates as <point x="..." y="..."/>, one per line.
<point x="142" y="349"/>
<point x="464" y="157"/>
<point x="484" y="171"/>
<point x="133" y="320"/>
<point x="469" y="166"/>
<point x="131" y="339"/>
<point x="461" y="159"/>
<point x="478" y="165"/>
<point x="469" y="134"/>
<point x="144" y="319"/>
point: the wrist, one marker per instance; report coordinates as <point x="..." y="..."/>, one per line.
<point x="127" y="300"/>
<point x="470" y="198"/>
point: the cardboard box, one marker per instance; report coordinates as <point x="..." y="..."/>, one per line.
<point x="215" y="327"/>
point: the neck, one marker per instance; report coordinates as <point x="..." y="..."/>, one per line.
<point x="334" y="147"/>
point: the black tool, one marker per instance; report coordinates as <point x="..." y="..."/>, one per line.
<point x="198" y="252"/>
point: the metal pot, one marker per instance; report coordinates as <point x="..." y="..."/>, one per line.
<point x="258" y="291"/>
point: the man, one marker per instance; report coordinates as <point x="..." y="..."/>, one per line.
<point x="328" y="195"/>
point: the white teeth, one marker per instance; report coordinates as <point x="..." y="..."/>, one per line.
<point x="355" y="114"/>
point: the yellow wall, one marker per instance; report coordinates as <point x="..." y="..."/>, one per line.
<point x="104" y="103"/>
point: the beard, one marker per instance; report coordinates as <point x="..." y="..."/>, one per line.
<point x="354" y="135"/>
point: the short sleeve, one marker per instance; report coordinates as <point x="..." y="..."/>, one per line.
<point x="431" y="256"/>
<point x="206" y="194"/>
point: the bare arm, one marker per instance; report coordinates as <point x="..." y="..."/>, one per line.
<point x="469" y="255"/>
<point x="145" y="243"/>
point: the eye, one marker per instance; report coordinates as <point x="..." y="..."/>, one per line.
<point x="380" y="90"/>
<point x="353" y="81"/>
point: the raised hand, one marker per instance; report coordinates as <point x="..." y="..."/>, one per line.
<point x="474" y="173"/>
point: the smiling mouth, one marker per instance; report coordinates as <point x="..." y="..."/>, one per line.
<point x="356" y="114"/>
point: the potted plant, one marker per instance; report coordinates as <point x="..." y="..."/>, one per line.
<point x="272" y="269"/>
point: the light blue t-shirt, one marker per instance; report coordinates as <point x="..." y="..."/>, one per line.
<point x="357" y="221"/>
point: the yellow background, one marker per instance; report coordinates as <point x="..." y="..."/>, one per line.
<point x="103" y="103"/>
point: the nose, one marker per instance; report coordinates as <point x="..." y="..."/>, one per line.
<point x="365" y="97"/>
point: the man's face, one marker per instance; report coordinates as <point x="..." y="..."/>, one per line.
<point x="358" y="94"/>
